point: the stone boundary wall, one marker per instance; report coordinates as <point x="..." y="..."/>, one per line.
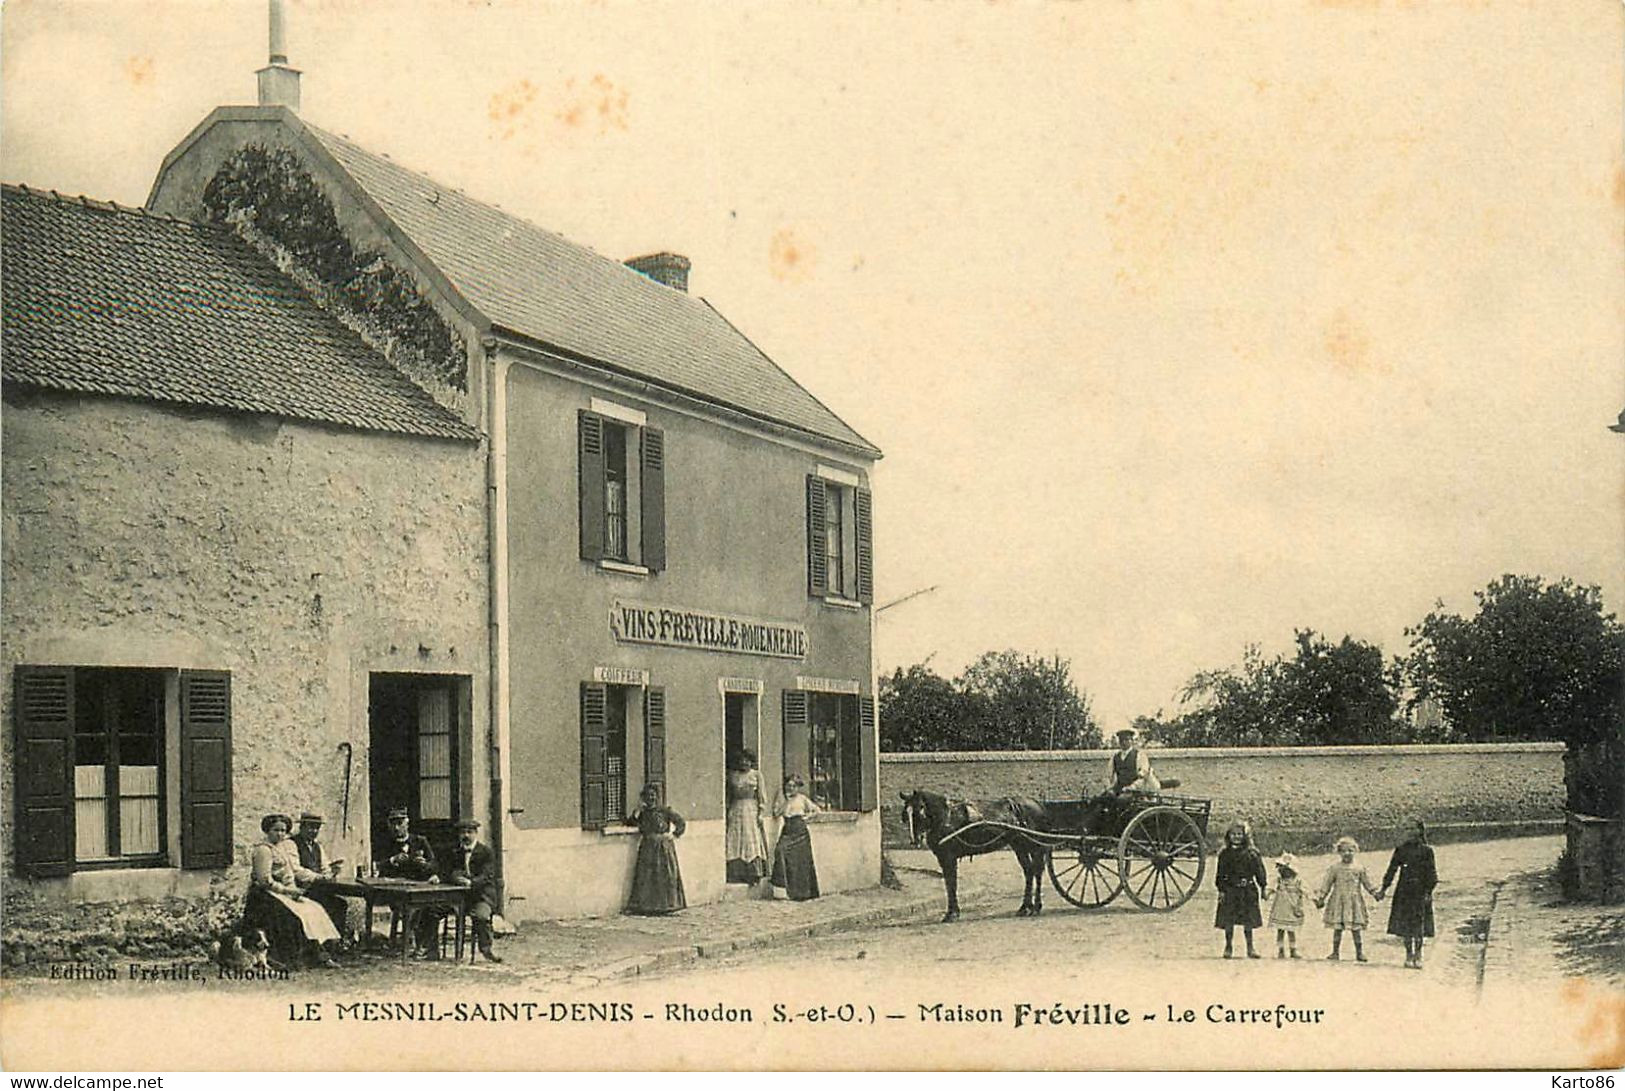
<point x="1297" y="797"/>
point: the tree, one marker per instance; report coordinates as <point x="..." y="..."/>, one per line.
<point x="1537" y="661"/>
<point x="920" y="710"/>
<point x="1002" y="701"/>
<point x="1324" y="694"/>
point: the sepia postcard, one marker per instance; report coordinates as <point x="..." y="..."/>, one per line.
<point x="611" y="535"/>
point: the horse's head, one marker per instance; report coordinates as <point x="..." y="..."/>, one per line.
<point x="923" y="812"/>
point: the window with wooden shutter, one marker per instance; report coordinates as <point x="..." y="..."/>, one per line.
<point x="797" y="743"/>
<point x="594" y="754"/>
<point x="862" y="517"/>
<point x="654" y="739"/>
<point x="590" y="483"/>
<point x="652" y="489"/>
<point x="206" y="840"/>
<point x="817" y="548"/>
<point x="43" y="757"/>
<point x="868" y="796"/>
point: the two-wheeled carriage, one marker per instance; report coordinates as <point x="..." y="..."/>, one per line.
<point x="1150" y="845"/>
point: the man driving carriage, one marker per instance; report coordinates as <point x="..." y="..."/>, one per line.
<point x="1130" y="767"/>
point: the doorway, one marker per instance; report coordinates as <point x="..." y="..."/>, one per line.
<point x="418" y="727"/>
<point x="741" y="730"/>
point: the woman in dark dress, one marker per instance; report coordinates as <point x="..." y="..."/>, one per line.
<point x="1242" y="881"/>
<point x="1411" y="917"/>
<point x="657" y="884"/>
<point x="793" y="868"/>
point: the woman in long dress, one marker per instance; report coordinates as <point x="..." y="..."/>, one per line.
<point x="746" y="846"/>
<point x="657" y="884"/>
<point x="793" y="868"/>
<point x="295" y="925"/>
<point x="1411" y="917"/>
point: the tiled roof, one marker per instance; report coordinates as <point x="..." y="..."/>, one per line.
<point x="543" y="287"/>
<point x="107" y="300"/>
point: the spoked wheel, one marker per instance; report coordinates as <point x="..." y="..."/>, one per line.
<point x="1161" y="857"/>
<point x="1084" y="874"/>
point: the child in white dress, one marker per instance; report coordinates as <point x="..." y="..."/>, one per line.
<point x="1342" y="894"/>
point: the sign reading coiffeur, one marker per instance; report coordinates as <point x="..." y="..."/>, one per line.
<point x="679" y="627"/>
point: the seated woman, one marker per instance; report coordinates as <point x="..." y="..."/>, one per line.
<point x="295" y="925"/>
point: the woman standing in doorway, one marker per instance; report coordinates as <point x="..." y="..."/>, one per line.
<point x="745" y="843"/>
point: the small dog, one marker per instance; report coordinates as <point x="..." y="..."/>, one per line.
<point x="240" y="953"/>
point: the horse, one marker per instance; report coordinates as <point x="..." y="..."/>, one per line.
<point x="938" y="820"/>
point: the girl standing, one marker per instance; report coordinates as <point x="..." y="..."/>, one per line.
<point x="1411" y="917"/>
<point x="744" y="842"/>
<point x="793" y="869"/>
<point x="657" y="884"/>
<point x="1241" y="880"/>
<point x="1342" y="893"/>
<point x="1286" y="912"/>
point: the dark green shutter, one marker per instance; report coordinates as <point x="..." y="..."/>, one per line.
<point x="44" y="770"/>
<point x="817" y="558"/>
<point x="797" y="743"/>
<point x="869" y="792"/>
<point x="654" y="739"/>
<point x="590" y="482"/>
<point x="862" y="503"/>
<point x="594" y="748"/>
<point x="652" y="488"/>
<point x="206" y="840"/>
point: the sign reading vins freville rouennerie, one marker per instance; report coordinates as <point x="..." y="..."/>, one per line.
<point x="704" y="630"/>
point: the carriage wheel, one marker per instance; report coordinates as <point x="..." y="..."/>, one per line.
<point x="1161" y="857"/>
<point x="1084" y="875"/>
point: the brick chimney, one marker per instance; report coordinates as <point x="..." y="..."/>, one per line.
<point x="665" y="267"/>
<point x="279" y="82"/>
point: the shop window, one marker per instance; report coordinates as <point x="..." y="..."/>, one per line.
<point x="623" y="747"/>
<point x="840" y="548"/>
<point x="829" y="741"/>
<point x="91" y="768"/>
<point x="621" y="476"/>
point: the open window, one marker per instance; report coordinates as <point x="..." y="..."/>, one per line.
<point x="621" y="477"/>
<point x="840" y="548"/>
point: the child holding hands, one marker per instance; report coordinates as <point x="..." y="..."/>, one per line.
<point x="1342" y="894"/>
<point x="1286" y="912"/>
<point x="1242" y="881"/>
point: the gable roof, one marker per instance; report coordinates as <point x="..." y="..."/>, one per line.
<point x="107" y="300"/>
<point x="546" y="289"/>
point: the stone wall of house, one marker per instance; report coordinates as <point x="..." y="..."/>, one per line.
<point x="299" y="558"/>
<point x="1294" y="796"/>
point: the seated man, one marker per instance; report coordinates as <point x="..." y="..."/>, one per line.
<point x="313" y="865"/>
<point x="1130" y="768"/>
<point x="405" y="855"/>
<point x="474" y="866"/>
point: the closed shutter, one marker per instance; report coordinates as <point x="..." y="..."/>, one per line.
<point x="654" y="740"/>
<point x="817" y="560"/>
<point x="862" y="502"/>
<point x="44" y="770"/>
<point x="652" y="488"/>
<point x="206" y="840"/>
<point x="868" y="794"/>
<point x="797" y="743"/>
<point x="590" y="482"/>
<point x="594" y="746"/>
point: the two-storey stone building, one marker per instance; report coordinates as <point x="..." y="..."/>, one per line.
<point x="675" y="550"/>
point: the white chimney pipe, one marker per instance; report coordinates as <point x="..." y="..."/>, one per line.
<point x="279" y="83"/>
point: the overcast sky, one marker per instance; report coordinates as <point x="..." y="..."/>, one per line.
<point x="1180" y="325"/>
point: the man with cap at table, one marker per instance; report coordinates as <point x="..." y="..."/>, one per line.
<point x="474" y="866"/>
<point x="405" y="855"/>
<point x="314" y="864"/>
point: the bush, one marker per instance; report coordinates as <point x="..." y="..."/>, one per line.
<point x="37" y="930"/>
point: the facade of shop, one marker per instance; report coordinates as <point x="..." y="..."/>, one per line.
<point x="679" y="559"/>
